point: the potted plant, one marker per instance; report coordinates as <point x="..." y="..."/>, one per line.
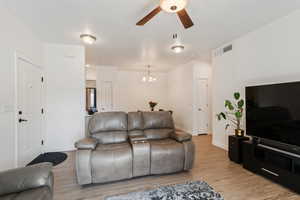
<point x="234" y="114"/>
<point x="152" y="105"/>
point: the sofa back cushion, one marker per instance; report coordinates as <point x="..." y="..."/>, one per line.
<point x="158" y="120"/>
<point x="109" y="127"/>
<point x="135" y="121"/>
<point x="158" y="125"/>
<point x="157" y="134"/>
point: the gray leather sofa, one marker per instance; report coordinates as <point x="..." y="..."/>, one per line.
<point x="123" y="146"/>
<point x="29" y="183"/>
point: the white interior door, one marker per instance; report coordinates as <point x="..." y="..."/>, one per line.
<point x="201" y="106"/>
<point x="106" y="96"/>
<point x="29" y="105"/>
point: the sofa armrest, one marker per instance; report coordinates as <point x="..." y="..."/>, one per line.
<point x="137" y="139"/>
<point x="26" y="178"/>
<point x="86" y="143"/>
<point x="181" y="136"/>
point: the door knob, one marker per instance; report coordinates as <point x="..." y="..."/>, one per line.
<point x="22" y="120"/>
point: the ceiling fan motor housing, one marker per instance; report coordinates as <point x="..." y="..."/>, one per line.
<point x="173" y="6"/>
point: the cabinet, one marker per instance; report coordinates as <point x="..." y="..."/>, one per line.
<point x="277" y="165"/>
<point x="235" y="151"/>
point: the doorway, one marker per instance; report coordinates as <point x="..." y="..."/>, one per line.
<point x="106" y="96"/>
<point x="201" y="107"/>
<point x="29" y="116"/>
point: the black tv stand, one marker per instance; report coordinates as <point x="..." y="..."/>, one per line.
<point x="278" y="165"/>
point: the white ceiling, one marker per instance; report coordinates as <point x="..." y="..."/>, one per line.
<point x="121" y="43"/>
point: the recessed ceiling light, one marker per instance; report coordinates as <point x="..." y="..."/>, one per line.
<point x="177" y="48"/>
<point x="173" y="6"/>
<point x="88" y="39"/>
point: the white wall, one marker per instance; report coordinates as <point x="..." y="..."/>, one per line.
<point x="132" y="94"/>
<point x="267" y="55"/>
<point x="91" y="73"/>
<point x="129" y="92"/>
<point x="14" y="36"/>
<point x="181" y="94"/>
<point x="65" y="99"/>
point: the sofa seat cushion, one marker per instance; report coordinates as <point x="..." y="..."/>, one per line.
<point x="167" y="156"/>
<point x="154" y="134"/>
<point x="111" y="162"/>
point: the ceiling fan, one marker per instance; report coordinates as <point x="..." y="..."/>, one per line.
<point x="170" y="6"/>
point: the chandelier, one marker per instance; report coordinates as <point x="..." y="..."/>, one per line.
<point x="149" y="77"/>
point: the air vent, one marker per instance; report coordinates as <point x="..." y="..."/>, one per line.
<point x="223" y="50"/>
<point x="227" y="48"/>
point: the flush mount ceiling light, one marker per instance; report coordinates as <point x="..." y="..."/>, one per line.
<point x="177" y="47"/>
<point x="149" y="77"/>
<point x="172" y="6"/>
<point x="87" y="66"/>
<point x="88" y="39"/>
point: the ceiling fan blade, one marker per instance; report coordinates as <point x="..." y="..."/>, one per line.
<point x="149" y="16"/>
<point x="185" y="18"/>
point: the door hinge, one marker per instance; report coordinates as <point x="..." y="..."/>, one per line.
<point x="42" y="110"/>
<point x="42" y="79"/>
<point x="42" y="142"/>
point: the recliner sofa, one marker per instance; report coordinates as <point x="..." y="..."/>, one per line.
<point x="122" y="146"/>
<point x="28" y="183"/>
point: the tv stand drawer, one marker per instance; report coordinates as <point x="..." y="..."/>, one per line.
<point x="269" y="172"/>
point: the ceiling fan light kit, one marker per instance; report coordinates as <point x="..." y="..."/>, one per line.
<point x="170" y="6"/>
<point x="88" y="39"/>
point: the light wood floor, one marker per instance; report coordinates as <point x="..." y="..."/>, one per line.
<point x="211" y="165"/>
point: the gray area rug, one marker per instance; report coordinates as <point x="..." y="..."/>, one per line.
<point x="198" y="190"/>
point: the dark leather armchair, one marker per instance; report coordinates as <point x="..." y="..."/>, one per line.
<point x="28" y="183"/>
<point x="122" y="146"/>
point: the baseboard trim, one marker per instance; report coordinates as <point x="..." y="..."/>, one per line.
<point x="220" y="145"/>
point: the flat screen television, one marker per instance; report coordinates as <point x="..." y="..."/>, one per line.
<point x="273" y="112"/>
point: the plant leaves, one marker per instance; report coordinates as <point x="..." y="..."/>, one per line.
<point x="240" y="103"/>
<point x="227" y="126"/>
<point x="227" y="102"/>
<point x="221" y="115"/>
<point x="236" y="95"/>
<point x="229" y="105"/>
<point x="238" y="114"/>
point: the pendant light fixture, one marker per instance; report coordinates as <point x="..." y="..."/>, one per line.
<point x="177" y="47"/>
<point x="149" y="77"/>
